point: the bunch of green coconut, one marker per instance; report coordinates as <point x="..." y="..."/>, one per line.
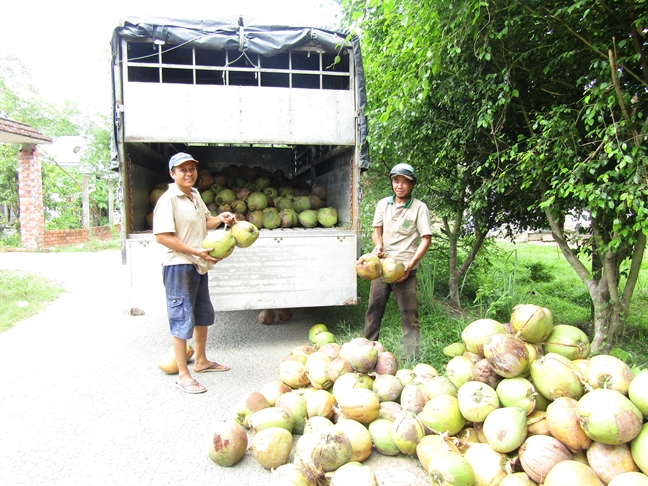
<point x="370" y="267"/>
<point x="267" y="199"/>
<point x="519" y="404"/>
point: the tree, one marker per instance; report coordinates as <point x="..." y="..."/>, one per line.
<point x="544" y="106"/>
<point x="20" y="101"/>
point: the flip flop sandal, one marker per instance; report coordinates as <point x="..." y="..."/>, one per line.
<point x="192" y="387"/>
<point x="213" y="368"/>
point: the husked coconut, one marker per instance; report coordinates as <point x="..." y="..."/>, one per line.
<point x="266" y="316"/>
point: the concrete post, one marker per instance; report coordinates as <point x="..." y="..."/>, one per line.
<point x="30" y="198"/>
<point x="86" y="203"/>
<point x="111" y="206"/>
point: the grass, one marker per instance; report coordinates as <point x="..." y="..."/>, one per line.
<point x="509" y="274"/>
<point x="23" y="295"/>
<point x="93" y="244"/>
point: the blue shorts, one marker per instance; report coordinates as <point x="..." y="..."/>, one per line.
<point x="188" y="301"/>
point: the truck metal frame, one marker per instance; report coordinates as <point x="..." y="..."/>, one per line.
<point x="287" y="99"/>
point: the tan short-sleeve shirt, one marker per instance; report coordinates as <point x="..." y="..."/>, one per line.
<point x="176" y="213"/>
<point x="403" y="225"/>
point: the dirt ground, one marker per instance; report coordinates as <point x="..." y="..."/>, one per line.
<point x="82" y="401"/>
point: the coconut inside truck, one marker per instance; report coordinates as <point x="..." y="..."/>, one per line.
<point x="262" y="108"/>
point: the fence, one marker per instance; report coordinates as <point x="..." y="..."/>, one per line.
<point x="77" y="236"/>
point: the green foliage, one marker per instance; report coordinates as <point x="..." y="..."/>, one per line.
<point x="23" y="295"/>
<point x="62" y="193"/>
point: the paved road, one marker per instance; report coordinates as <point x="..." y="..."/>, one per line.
<point x="82" y="401"/>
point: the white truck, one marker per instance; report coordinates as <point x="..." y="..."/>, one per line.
<point x="279" y="98"/>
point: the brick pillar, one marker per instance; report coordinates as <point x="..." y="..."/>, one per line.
<point x="30" y="198"/>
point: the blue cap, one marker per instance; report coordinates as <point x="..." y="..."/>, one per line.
<point x="180" y="158"/>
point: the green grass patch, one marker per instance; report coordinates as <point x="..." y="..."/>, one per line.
<point x="23" y="295"/>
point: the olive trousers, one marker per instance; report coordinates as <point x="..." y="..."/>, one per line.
<point x="407" y="300"/>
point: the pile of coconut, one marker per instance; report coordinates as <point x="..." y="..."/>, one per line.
<point x="521" y="403"/>
<point x="267" y="199"/>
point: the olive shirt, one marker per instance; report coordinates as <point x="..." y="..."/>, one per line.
<point x="176" y="213"/>
<point x="403" y="225"/>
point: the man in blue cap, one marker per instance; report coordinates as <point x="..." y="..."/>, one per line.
<point x="180" y="222"/>
<point x="402" y="231"/>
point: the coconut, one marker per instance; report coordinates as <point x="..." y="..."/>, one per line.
<point x="405" y="376"/>
<point x="271" y="417"/>
<point x="282" y="203"/>
<point x="507" y="354"/>
<point x="609" y="461"/>
<point x="484" y="372"/>
<point x="226" y="196"/>
<point x="460" y="370"/>
<point x="424" y="370"/>
<point x="301" y="204"/>
<point x="271" y="447"/>
<point x="332" y="350"/>
<point x="380" y="430"/>
<point x="406" y="432"/>
<point x="308" y="218"/>
<point x="256" y="218"/>
<point x="438" y="385"/>
<point x="261" y="183"/>
<point x="569" y="341"/>
<point x="228" y="444"/>
<point x="537" y="423"/>
<point x="606" y="371"/>
<point x="239" y="207"/>
<point x="563" y="423"/>
<point x="361" y="353"/>
<point x="168" y="363"/>
<point x="454" y="349"/>
<point x="317" y="424"/>
<point x="221" y="242"/>
<point x="287" y="218"/>
<point x="531" y="323"/>
<point x="609" y="417"/>
<point x="327" y="217"/>
<point x="449" y="467"/>
<point x="207" y="196"/>
<point x="354" y="473"/>
<point x="639" y="449"/>
<point x="359" y="404"/>
<point x="323" y="338"/>
<point x="389" y="410"/>
<point x="284" y="314"/>
<point x="477" y="400"/>
<point x="273" y="390"/>
<point x="157" y="191"/>
<point x="539" y="454"/>
<point x="293" y="373"/>
<point x="387" y="387"/>
<point x="294" y="405"/>
<point x="244" y="233"/>
<point x="315" y="329"/>
<point x="317" y="365"/>
<point x="359" y="437"/>
<point x="572" y="472"/>
<point x="506" y="428"/>
<point x="391" y="270"/>
<point x="638" y="392"/>
<point x="328" y="450"/>
<point x="368" y="267"/>
<point x="253" y="402"/>
<point x="517" y="392"/>
<point x="442" y="415"/>
<point x="428" y="447"/>
<point x="271" y="192"/>
<point x="348" y="381"/>
<point x="338" y="367"/>
<point x="488" y="465"/>
<point x="294" y="475"/>
<point x="386" y="364"/>
<point x="320" y="403"/>
<point x="271" y="219"/>
<point x="630" y="479"/>
<point x="266" y="316"/>
<point x="477" y="332"/>
<point x="555" y="376"/>
<point x="412" y="397"/>
<point x="257" y="201"/>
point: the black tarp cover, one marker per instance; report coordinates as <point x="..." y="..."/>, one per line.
<point x="234" y="33"/>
